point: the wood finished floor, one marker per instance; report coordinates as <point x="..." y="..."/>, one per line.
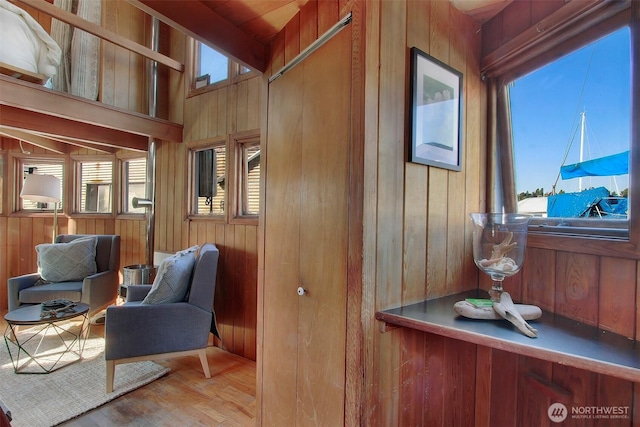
<point x="183" y="397"/>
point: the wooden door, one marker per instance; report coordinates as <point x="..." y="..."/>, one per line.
<point x="308" y="136"/>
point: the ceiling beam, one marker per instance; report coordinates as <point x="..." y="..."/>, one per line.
<point x="37" y="140"/>
<point x="82" y="144"/>
<point x="52" y="125"/>
<point x="103" y="33"/>
<point x="105" y="120"/>
<point x="203" y="24"/>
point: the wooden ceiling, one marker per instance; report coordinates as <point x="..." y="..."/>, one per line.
<point x="242" y="29"/>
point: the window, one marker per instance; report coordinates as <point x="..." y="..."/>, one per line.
<point x="94" y="186"/>
<point x="209" y="181"/>
<point x="248" y="178"/>
<point x="212" y="66"/>
<point x="41" y="167"/>
<point x="588" y="73"/>
<point x="134" y="176"/>
<point x="569" y="118"/>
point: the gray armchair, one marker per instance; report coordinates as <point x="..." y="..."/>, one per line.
<point x="98" y="290"/>
<point x="135" y="331"/>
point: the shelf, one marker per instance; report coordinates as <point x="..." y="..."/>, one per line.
<point x="560" y="340"/>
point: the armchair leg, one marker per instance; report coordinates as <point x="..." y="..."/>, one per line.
<point x="205" y="363"/>
<point x="111" y="367"/>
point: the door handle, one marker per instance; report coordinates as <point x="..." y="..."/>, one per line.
<point x="301" y="291"/>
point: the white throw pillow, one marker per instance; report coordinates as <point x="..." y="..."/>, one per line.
<point x="66" y="262"/>
<point x="173" y="278"/>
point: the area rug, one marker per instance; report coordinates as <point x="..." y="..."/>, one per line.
<point x="37" y="400"/>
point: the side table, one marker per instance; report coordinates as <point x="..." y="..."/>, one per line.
<point x="33" y="345"/>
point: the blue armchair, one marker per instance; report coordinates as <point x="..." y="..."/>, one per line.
<point x="136" y="331"/>
<point x="98" y="290"/>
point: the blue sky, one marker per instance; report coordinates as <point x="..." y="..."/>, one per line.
<point x="546" y="107"/>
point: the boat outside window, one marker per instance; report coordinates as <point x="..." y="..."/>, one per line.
<point x="571" y="130"/>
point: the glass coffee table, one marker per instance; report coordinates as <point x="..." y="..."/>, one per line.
<point x="45" y="344"/>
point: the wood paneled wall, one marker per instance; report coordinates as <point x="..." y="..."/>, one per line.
<point x="443" y="381"/>
<point x="416" y="228"/>
<point x="208" y="116"/>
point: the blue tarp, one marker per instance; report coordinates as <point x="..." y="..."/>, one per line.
<point x="575" y="205"/>
<point x="616" y="164"/>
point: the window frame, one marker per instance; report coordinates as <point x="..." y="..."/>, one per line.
<point x="234" y="75"/>
<point x="75" y="202"/>
<point x="503" y="67"/>
<point x="18" y="165"/>
<point x="121" y="160"/>
<point x="239" y="142"/>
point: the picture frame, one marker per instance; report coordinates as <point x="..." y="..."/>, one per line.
<point x="436" y="113"/>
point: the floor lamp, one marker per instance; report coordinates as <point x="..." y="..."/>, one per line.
<point x="44" y="189"/>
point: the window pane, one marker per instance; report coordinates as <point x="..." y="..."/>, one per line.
<point x="251" y="179"/>
<point x="209" y="166"/>
<point x="134" y="179"/>
<point x="95" y="186"/>
<point x="575" y="111"/>
<point x="55" y="169"/>
<point x="213" y="63"/>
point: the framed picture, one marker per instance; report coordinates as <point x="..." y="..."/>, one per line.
<point x="436" y="113"/>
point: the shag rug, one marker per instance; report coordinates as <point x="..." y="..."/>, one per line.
<point x="49" y="399"/>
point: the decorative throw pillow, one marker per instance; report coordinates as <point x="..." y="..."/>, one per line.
<point x="66" y="262"/>
<point x="173" y="278"/>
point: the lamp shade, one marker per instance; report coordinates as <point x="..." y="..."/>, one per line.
<point x="41" y="188"/>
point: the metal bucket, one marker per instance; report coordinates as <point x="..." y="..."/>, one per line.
<point x="139" y="274"/>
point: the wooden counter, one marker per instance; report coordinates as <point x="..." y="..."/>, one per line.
<point x="560" y="340"/>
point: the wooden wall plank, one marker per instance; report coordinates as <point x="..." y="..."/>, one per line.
<point x="434" y="386"/>
<point x="438" y="178"/>
<point x="415" y="199"/>
<point x="484" y="390"/>
<point x="539" y="278"/>
<point x="413" y="372"/>
<point x="292" y="39"/>
<point x="390" y="188"/>
<point x="504" y="388"/>
<point x="531" y="404"/>
<point x="456" y="214"/>
<point x="617" y="287"/>
<point x="577" y="289"/>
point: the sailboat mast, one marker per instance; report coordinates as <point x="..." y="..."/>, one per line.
<point x="582" y="117"/>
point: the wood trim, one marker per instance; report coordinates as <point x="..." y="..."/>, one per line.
<point x="19" y="73"/>
<point x="37" y="140"/>
<point x="558" y="27"/>
<point x="203" y="24"/>
<point x="96" y="30"/>
<point x="585" y="245"/>
<point x="73" y="112"/>
<point x="49" y="125"/>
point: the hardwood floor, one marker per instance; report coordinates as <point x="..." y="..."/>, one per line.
<point x="183" y="397"/>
